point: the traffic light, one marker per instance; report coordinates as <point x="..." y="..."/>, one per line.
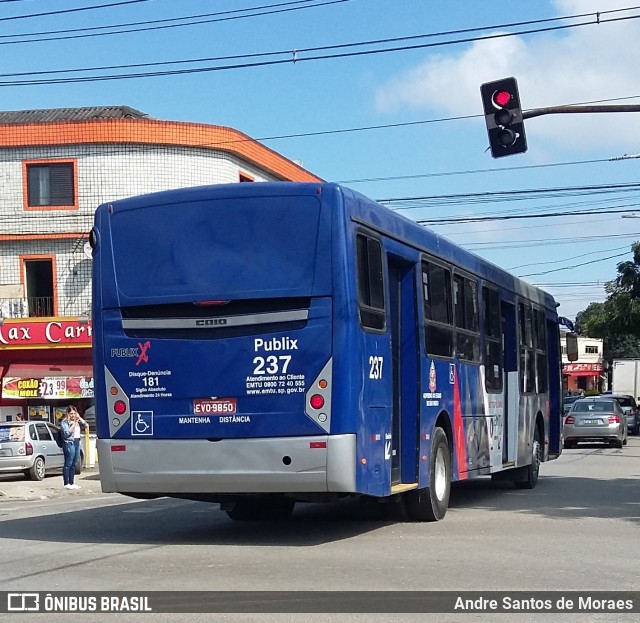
<point x="503" y="116"/>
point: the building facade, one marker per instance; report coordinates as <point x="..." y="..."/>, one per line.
<point x="56" y="167"/>
<point x="587" y="374"/>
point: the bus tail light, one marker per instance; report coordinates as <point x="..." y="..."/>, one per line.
<point x="318" y="398"/>
<point x="120" y="407"/>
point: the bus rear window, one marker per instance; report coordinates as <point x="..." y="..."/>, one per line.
<point x="217" y="248"/>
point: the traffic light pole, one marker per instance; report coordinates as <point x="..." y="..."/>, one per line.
<point x="556" y="110"/>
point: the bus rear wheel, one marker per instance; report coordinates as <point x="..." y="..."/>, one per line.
<point x="533" y="470"/>
<point x="262" y="508"/>
<point x="431" y="504"/>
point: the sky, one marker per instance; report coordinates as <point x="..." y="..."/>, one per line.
<point x="399" y="120"/>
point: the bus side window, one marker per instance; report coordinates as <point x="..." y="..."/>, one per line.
<point x="465" y="304"/>
<point x="542" y="382"/>
<point x="527" y="349"/>
<point x="370" y="283"/>
<point x="492" y="340"/>
<point x="438" y="317"/>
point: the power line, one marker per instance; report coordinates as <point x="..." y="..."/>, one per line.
<point x="220" y="16"/>
<point x="504" y="230"/>
<point x="76" y="10"/>
<point x="512" y="195"/>
<point x="574" y="266"/>
<point x="467" y="172"/>
<point x="575" y="257"/>
<point x="295" y="55"/>
<point x="510" y="217"/>
<point x="573" y="284"/>
<point x="429" y="121"/>
<point x="537" y="242"/>
<point x="224" y="13"/>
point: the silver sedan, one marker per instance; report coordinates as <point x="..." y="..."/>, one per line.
<point x="595" y="419"/>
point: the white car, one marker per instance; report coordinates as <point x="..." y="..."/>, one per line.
<point x="31" y="448"/>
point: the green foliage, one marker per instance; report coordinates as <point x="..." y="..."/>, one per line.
<point x="592" y="321"/>
<point x="617" y="320"/>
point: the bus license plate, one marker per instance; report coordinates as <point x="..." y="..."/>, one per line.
<point x="214" y="406"/>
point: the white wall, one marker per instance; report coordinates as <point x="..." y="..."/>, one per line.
<point x="105" y="173"/>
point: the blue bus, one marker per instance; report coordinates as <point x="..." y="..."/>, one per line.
<point x="262" y="344"/>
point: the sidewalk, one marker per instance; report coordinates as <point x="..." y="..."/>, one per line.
<point x="15" y="487"/>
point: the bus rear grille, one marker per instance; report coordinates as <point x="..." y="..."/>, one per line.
<point x="229" y="319"/>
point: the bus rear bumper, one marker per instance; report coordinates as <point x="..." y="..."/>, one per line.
<point x="319" y="464"/>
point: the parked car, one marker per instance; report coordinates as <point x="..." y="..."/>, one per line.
<point x="595" y="419"/>
<point x="630" y="408"/>
<point x="31" y="448"/>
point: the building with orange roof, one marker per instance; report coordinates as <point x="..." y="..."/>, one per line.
<point x="56" y="167"/>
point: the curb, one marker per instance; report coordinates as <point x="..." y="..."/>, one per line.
<point x="49" y="488"/>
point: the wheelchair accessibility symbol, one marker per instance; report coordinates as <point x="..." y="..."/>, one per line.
<point x="142" y="423"/>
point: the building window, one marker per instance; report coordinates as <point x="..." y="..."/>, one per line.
<point x="38" y="276"/>
<point x="50" y="185"/>
<point x="591" y="350"/>
<point x="245" y="177"/>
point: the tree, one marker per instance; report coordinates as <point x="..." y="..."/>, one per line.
<point x="593" y="321"/>
<point x="623" y="303"/>
<point x="617" y="320"/>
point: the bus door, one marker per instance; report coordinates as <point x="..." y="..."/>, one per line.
<point x="555" y="388"/>
<point x="405" y="382"/>
<point x="510" y="364"/>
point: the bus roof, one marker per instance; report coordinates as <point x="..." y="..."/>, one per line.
<point x="361" y="209"/>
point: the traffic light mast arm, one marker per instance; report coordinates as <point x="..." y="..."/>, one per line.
<point x="556" y="110"/>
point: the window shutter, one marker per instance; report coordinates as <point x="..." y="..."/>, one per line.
<point x="61" y="184"/>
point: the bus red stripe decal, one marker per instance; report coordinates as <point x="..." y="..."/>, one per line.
<point x="458" y="431"/>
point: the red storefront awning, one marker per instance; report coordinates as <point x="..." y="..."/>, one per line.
<point x="582" y="369"/>
<point x="43" y="370"/>
<point x="48" y="382"/>
<point x="581" y="373"/>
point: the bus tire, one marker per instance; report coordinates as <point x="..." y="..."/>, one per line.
<point x="532" y="470"/>
<point x="430" y="504"/>
<point x="267" y="508"/>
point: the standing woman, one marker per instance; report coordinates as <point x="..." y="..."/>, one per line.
<point x="71" y="426"/>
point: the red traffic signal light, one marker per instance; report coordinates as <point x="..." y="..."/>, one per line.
<point x="501" y="98"/>
<point x="503" y="117"/>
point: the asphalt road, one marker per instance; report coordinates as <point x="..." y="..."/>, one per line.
<point x="578" y="530"/>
